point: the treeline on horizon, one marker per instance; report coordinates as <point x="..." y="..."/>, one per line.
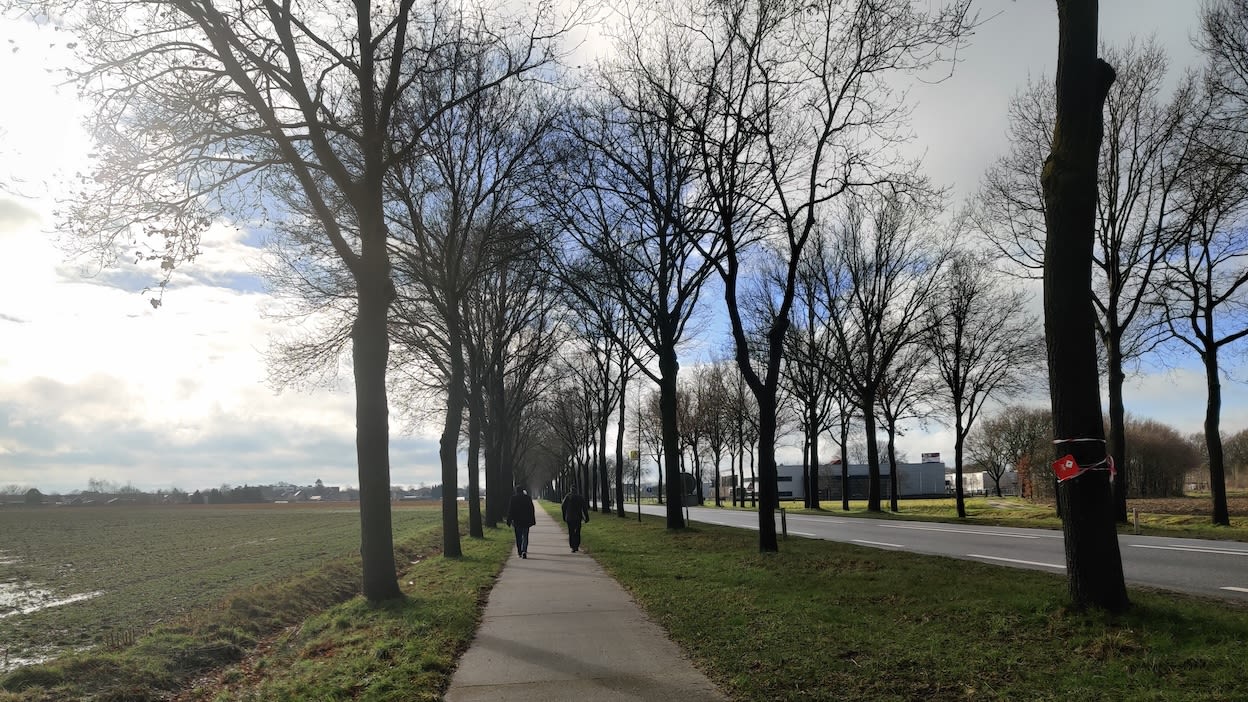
<point x="244" y="494"/>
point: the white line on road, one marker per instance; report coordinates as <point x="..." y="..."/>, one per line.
<point x="1234" y="589"/>
<point x="802" y="533"/>
<point x="1225" y="551"/>
<point x="959" y="531"/>
<point x="1015" y="560"/>
<point x="877" y="543"/>
<point x="820" y="520"/>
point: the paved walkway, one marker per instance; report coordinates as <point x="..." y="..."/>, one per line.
<point x="557" y="628"/>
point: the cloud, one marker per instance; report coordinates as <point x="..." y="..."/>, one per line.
<point x="14" y="215"/>
<point x="58" y="435"/>
<point x="94" y="382"/>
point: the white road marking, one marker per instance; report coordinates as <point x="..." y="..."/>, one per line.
<point x="1234" y="589"/>
<point x="877" y="543"/>
<point x="802" y="533"/>
<point x="820" y="520"/>
<point x="1193" y="549"/>
<point x="1015" y="560"/>
<point x="959" y="531"/>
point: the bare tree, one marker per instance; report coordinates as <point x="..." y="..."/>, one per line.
<point x="989" y="450"/>
<point x="808" y="375"/>
<point x="516" y="327"/>
<point x="599" y="343"/>
<point x="1203" y="289"/>
<point x="714" y="412"/>
<point x="1160" y="458"/>
<point x="887" y="265"/>
<point x="629" y="208"/>
<point x="1093" y="562"/>
<point x="845" y="415"/>
<point x="1145" y="149"/>
<point x="743" y="418"/>
<point x="984" y="345"/>
<point x="202" y="112"/>
<point x="1235" y="454"/>
<point x="794" y="111"/>
<point x="651" y="427"/>
<point x="457" y="206"/>
<point x="1017" y="437"/>
<point x="565" y="414"/>
<point x="905" y="394"/>
<point x="1224" y="40"/>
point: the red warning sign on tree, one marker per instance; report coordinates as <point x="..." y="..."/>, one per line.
<point x="1066" y="468"/>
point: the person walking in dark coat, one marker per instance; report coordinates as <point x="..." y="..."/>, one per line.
<point x="575" y="511"/>
<point x="520" y="516"/>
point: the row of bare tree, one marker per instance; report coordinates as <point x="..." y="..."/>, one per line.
<point x="439" y="201"/>
<point x="1169" y="253"/>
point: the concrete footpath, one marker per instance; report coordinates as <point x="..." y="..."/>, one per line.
<point x="557" y="627"/>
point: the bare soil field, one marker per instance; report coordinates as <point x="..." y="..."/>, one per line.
<point x="1236" y="505"/>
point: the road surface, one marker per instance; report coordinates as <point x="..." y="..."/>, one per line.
<point x="1195" y="566"/>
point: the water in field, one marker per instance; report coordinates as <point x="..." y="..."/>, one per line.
<point x="21" y="598"/>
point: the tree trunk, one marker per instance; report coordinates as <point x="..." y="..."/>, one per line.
<point x="959" y="447"/>
<point x="497" y="485"/>
<point x="660" y="466"/>
<point x="475" y="410"/>
<point x="813" y="486"/>
<point x="697" y="471"/>
<point x="754" y="480"/>
<point x="448" y="446"/>
<point x="1117" y="423"/>
<point x="619" y="452"/>
<point x="1213" y="439"/>
<point x="873" y="455"/>
<point x="844" y="467"/>
<point x="805" y="467"/>
<point x="370" y="349"/>
<point x="603" y="479"/>
<point x="768" y="499"/>
<point x="1093" y="561"/>
<point x="671" y="437"/>
<point x="892" y="468"/>
<point x="738" y="464"/>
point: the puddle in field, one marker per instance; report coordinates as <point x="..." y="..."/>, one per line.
<point x="22" y="599"/>
<point x="29" y="657"/>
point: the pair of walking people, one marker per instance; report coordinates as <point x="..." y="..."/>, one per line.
<point x="521" y="517"/>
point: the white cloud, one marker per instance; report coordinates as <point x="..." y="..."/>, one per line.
<point x="97" y="383"/>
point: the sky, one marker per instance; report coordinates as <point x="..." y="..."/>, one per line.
<point x="96" y="383"/>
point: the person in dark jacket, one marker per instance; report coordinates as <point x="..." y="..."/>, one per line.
<point x="575" y="511"/>
<point x="520" y="516"/>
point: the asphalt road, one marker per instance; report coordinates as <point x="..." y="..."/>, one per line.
<point x="1196" y="566"/>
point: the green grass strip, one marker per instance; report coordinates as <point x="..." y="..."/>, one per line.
<point x="401" y="650"/>
<point x="320" y="639"/>
<point x="828" y="621"/>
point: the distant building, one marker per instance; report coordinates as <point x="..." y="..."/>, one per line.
<point x="925" y="479"/>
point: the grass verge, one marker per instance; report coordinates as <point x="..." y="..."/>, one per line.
<point x="319" y="639"/>
<point x="824" y="621"/>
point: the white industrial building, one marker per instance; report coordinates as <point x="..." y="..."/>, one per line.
<point x="925" y="479"/>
